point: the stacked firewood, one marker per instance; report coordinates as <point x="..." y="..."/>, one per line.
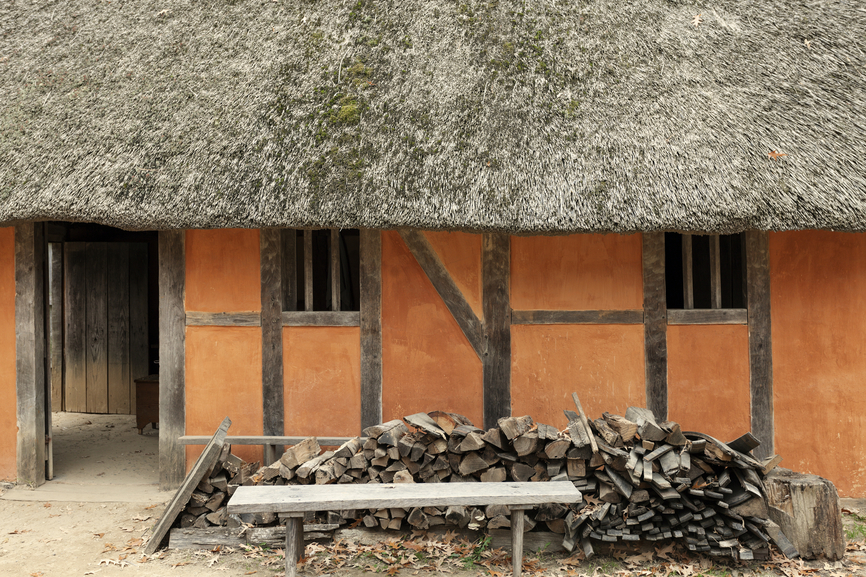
<point x="640" y="479"/>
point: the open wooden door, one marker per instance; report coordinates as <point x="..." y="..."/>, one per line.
<point x="105" y="325"/>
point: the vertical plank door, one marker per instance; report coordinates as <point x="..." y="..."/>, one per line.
<point x="96" y="314"/>
<point x="117" y="293"/>
<point x="139" y="350"/>
<point x="55" y="255"/>
<point x="74" y="350"/>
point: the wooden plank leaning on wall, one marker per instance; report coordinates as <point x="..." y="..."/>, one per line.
<point x="30" y="370"/>
<point x="760" y="343"/>
<point x="271" y="251"/>
<point x="172" y="330"/>
<point x="655" y="325"/>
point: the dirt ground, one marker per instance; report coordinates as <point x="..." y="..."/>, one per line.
<point x="83" y="523"/>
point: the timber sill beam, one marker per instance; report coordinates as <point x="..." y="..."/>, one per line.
<point x="321" y="319"/>
<point x="708" y="316"/>
<point x="585" y="317"/>
<point x="265" y="440"/>
<point x="203" y="319"/>
<point x="445" y="286"/>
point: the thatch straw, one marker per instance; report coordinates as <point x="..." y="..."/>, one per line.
<point x="528" y="117"/>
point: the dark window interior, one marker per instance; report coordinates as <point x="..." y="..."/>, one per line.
<point x="349" y="254"/>
<point x="732" y="277"/>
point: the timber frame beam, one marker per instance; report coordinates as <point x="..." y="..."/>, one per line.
<point x="760" y="342"/>
<point x="172" y="334"/>
<point x="371" y="327"/>
<point x="496" y="358"/>
<point x="30" y="358"/>
<point x="655" y="325"/>
<point x="271" y="248"/>
<point x="466" y="319"/>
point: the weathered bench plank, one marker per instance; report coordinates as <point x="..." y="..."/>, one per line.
<point x="293" y="500"/>
<point x="300" y="498"/>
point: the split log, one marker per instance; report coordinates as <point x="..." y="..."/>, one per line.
<point x="301" y="453"/>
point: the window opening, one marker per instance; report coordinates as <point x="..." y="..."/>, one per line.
<point x="705" y="271"/>
<point x="326" y="265"/>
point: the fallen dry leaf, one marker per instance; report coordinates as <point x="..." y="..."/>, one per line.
<point x="141" y="518"/>
<point x="151" y="506"/>
<point x="46" y="505"/>
<point x="776" y="155"/>
<point x="19" y="531"/>
<point x="696" y="21"/>
<point x="98" y="535"/>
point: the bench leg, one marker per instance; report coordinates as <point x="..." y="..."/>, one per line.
<point x="269" y="454"/>
<point x="516" y="541"/>
<point x="294" y="544"/>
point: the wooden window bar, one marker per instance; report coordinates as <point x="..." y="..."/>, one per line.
<point x="715" y="315"/>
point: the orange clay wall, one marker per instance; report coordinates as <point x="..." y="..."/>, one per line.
<point x="817" y="293"/>
<point x="427" y="362"/>
<point x="604" y="364"/>
<point x="576" y="272"/>
<point x="8" y="411"/>
<point x="322" y="376"/>
<point x="223" y="364"/>
<point x="708" y="379"/>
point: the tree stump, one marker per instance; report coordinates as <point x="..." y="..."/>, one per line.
<point x="806" y="507"/>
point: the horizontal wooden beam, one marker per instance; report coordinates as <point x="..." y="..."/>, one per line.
<point x="202" y="319"/>
<point x="708" y="316"/>
<point x="620" y="317"/>
<point x="264" y="440"/>
<point x="321" y="319"/>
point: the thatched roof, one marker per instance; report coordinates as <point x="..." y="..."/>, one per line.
<point x="525" y="116"/>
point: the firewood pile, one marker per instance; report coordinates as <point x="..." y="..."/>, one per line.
<point x="641" y="480"/>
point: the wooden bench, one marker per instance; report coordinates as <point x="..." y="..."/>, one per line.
<point x="292" y="501"/>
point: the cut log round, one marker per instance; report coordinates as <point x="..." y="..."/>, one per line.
<point x="806" y="508"/>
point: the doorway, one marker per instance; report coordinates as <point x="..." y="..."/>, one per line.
<point x="102" y="333"/>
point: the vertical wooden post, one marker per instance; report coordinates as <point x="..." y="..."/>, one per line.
<point x="289" y="268"/>
<point x="760" y="343"/>
<point x="496" y="360"/>
<point x="30" y="354"/>
<point x="655" y="323"/>
<point x="715" y="272"/>
<point x="56" y="320"/>
<point x="308" y="270"/>
<point x="272" y="332"/>
<point x="688" y="273"/>
<point x="517" y="542"/>
<point x="172" y="335"/>
<point x="335" y="269"/>
<point x="371" y="327"/>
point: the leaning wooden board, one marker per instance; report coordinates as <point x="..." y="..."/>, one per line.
<point x="202" y="466"/>
<point x="292" y="501"/>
